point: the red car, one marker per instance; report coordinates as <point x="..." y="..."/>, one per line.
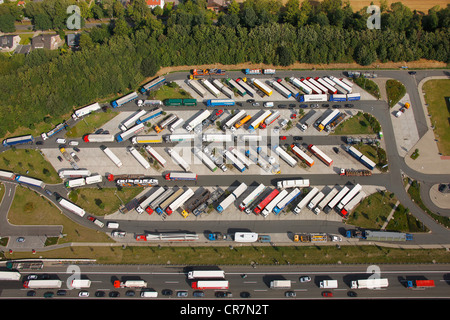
<point x="90" y="218"/>
<point x="327" y="294"/>
<point x="283" y="138"/>
<point x="141" y="237"/>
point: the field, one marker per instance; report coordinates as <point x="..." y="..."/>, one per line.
<point x="437" y="96"/>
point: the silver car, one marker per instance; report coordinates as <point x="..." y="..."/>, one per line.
<point x="305" y="279"/>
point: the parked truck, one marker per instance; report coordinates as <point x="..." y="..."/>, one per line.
<point x="178" y="159"/>
<point x="328" y="284"/>
<point x="379" y="235"/>
<point x="323" y="203"/>
<point x="305" y="200"/>
<point x="315" y="201"/>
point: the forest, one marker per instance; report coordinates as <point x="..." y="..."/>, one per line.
<point x="118" y="56"/>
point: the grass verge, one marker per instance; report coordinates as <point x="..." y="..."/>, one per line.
<point x="395" y="91"/>
<point x="90" y="123"/>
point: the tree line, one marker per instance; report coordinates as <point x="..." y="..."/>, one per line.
<point x="117" y="57"/>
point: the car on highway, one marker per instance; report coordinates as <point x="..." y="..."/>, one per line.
<point x="100" y="294"/>
<point x="182" y="294"/>
<point x="290" y="294"/>
<point x="31" y="293"/>
<point x="352" y="294"/>
<point x="327" y="294"/>
<point x="83" y="294"/>
<point x="298" y="138"/>
<point x="349" y="105"/>
<point x="114" y="294"/>
<point x="32" y="277"/>
<point x="61" y="292"/>
<point x="48" y="294"/>
<point x="244" y="294"/>
<point x="251" y="100"/>
<point x="130" y="293"/>
<point x="255" y="104"/>
<point x="305" y="279"/>
<point x="198" y="294"/>
<point x="336" y="106"/>
<point x="167" y="292"/>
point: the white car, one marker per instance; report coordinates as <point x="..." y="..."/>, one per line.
<point x="83" y="294"/>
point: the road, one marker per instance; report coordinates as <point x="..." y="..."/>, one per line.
<point x="256" y="281"/>
<point x="392" y="181"/>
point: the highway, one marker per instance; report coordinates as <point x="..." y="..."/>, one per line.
<point x="254" y="280"/>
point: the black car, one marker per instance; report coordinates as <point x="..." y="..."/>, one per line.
<point x="292" y="106"/>
<point x="298" y="138"/>
<point x="60" y="159"/>
<point x="130" y="293"/>
<point x="198" y="294"/>
<point x="349" y="105"/>
<point x="303" y="106"/>
<point x="245" y="294"/>
<point x="352" y="294"/>
<point x="61" y="292"/>
<point x="325" y="105"/>
<point x="31" y="293"/>
<point x="336" y="106"/>
<point x="39" y="143"/>
<point x="167" y="292"/>
<point x="100" y="294"/>
<point x="412" y="72"/>
<point x="220" y="294"/>
<point x="282" y="106"/>
<point x="336" y="149"/>
<point x="114" y="294"/>
<point x="76" y="149"/>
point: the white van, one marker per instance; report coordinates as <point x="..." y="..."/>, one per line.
<point x="112" y="225"/>
<point x="149" y="294"/>
<point x="268" y="104"/>
<point x="60" y="140"/>
<point x="73" y="143"/>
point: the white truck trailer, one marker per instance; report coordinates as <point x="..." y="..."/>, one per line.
<point x="71" y="207"/>
<point x="336" y="199"/>
<point x="144" y="204"/>
<point x="197" y="120"/>
<point x="139" y="157"/>
<point x="112" y="156"/>
<point x="322" y="204"/>
<point x="272" y="204"/>
<point x="178" y="159"/>
<point x="328" y="284"/>
<point x="305" y="200"/>
<point x="232" y="197"/>
<point x="301" y="183"/>
<point x="315" y="201"/>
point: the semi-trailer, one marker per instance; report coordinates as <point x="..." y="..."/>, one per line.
<point x="319" y="154"/>
<point x="335" y="122"/>
<point x="235" y="161"/>
<point x="186" y="195"/>
<point x="271" y="119"/>
<point x="333" y="115"/>
<point x="260" y="119"/>
<point x="179" y="137"/>
<point x="307" y="120"/>
<point x="280" y="88"/>
<point x="353" y="96"/>
<point x="130" y="132"/>
<point x="30" y="181"/>
<point x="178" y="159"/>
<point x="217" y="137"/>
<point x="75" y="183"/>
<point x="160" y="199"/>
<point x="328" y="284"/>
<point x="315" y="201"/>
<point x="144" y="204"/>
<point x="304" y="88"/>
<point x="312" y="86"/>
<point x="253" y="71"/>
<point x="240" y="156"/>
<point x="235" y="118"/>
<point x="71" y="207"/>
<point x="164" y="204"/>
<point x="287" y="200"/>
<point x="379" y="235"/>
<point x="176" y="125"/>
<point x="258" y="209"/>
<point x="163" y="124"/>
<point x="210" y="284"/>
<point x="125" y="99"/>
<point x="294" y="91"/>
<point x="306" y="199"/>
<point x="54" y="131"/>
<point x="241" y="123"/>
<point x="144" y="139"/>
<point x="251" y="92"/>
<point x="130" y="284"/>
<point x="131" y="121"/>
<point x="338" y="97"/>
<point x="18" y="140"/>
<point x="236" y="86"/>
<point x="285" y="156"/>
<point x="94" y="179"/>
<point x="317" y="84"/>
<point x="376" y="283"/>
<point x="341" y="84"/>
<point x="156" y="156"/>
<point x="349" y="196"/>
<point x="111" y="156"/>
<point x="10" y="275"/>
<point x="323" y="203"/>
<point x="302" y="155"/>
<point x="352" y="204"/>
<point x="197" y="120"/>
<point x="251" y="197"/>
<point x="197" y="200"/>
<point x="141" y="103"/>
<point x="336" y="199"/>
<point x="153" y="114"/>
<point x="197" y="87"/>
<point x="209" y="86"/>
<point x="220" y="102"/>
<point x="181" y="176"/>
<point x="63" y="174"/>
<point x="272" y="204"/>
<point x="205" y="159"/>
<point x="313" y="98"/>
<point x="155" y="83"/>
<point x="86" y="110"/>
<point x="42" y="284"/>
<point x="224" y="204"/>
<point x="419" y="284"/>
<point x="139" y="157"/>
<point x="330" y="88"/>
<point x="301" y="183"/>
<point x="99" y="138"/>
<point x="280" y="284"/>
<point x="7" y="175"/>
<point x="261" y="86"/>
<point x="269" y="71"/>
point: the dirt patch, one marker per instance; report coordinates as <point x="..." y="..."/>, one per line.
<point x="419" y="64"/>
